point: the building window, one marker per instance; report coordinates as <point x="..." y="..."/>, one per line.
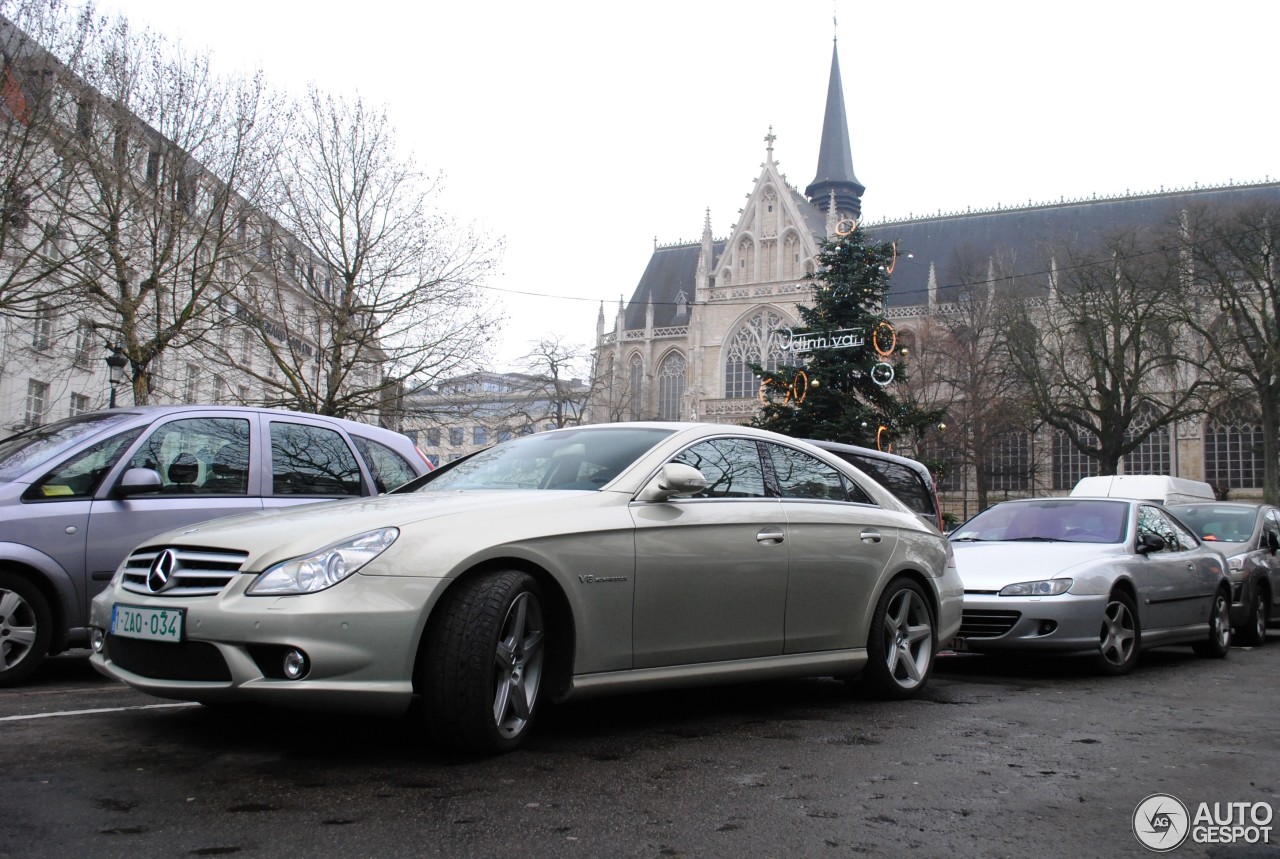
<point x="1009" y="462"/>
<point x="1155" y="454"/>
<point x="479" y="435"/>
<point x="455" y="436"/>
<point x="1233" y="448"/>
<point x="1069" y="464"/>
<point x="84" y="344"/>
<point x="242" y="394"/>
<point x="42" y="327"/>
<point x="756" y="342"/>
<point x="219" y="390"/>
<point x="433" y="436"/>
<point x="191" y="388"/>
<point x="37" y="401"/>
<point x="79" y="405"/>
<point x="671" y="375"/>
<point x="635" y="389"/>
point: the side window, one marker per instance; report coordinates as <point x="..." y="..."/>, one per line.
<point x="205" y="456"/>
<point x="389" y="469"/>
<point x="311" y="460"/>
<point x="1152" y="520"/>
<point x="731" y="465"/>
<point x="802" y="476"/>
<point x="80" y="475"/>
<point x="1271" y="526"/>
<point x="902" y="481"/>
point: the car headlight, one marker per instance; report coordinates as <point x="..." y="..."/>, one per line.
<point x="1049" y="588"/>
<point x="325" y="568"/>
<point x="1236" y="562"/>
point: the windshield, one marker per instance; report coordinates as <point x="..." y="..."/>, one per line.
<point x="27" y="450"/>
<point x="1049" y="520"/>
<point x="568" y="459"/>
<point x="1218" y="522"/>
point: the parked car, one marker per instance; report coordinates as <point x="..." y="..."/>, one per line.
<point x="1249" y="535"/>
<point x="558" y="565"/>
<point x="77" y="495"/>
<point x="906" y="478"/>
<point x="1107" y="578"/>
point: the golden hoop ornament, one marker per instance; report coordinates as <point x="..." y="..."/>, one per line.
<point x="764" y="401"/>
<point x="880" y="431"/>
<point x="893" y="264"/>
<point x="799" y="388"/>
<point x="875" y="339"/>
<point x="845" y="226"/>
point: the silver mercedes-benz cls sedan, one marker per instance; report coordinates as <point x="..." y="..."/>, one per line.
<point x="562" y="564"/>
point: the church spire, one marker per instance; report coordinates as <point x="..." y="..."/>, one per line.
<point x="835" y="156"/>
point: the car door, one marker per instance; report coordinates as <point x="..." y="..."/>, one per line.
<point x="204" y="467"/>
<point x="1175" y="584"/>
<point x="711" y="571"/>
<point x="1270" y="558"/>
<point x="840" y="542"/>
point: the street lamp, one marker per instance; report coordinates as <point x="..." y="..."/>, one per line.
<point x="116" y="362"/>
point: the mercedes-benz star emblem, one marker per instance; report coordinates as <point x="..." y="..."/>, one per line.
<point x="160" y="576"/>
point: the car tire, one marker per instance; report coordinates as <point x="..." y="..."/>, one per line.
<point x="1120" y="639"/>
<point x="1218" y="643"/>
<point x="1254" y="632"/>
<point x="26" y="627"/>
<point x="902" y="642"/>
<point x="484" y="660"/>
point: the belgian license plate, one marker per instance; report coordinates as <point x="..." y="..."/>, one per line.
<point x="152" y="624"/>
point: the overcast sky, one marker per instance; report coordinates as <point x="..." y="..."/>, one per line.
<point x="580" y="131"/>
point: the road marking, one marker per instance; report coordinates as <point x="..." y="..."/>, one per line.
<point x="99" y="710"/>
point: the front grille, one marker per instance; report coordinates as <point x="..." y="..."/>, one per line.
<point x="165" y="660"/>
<point x="986" y="624"/>
<point x="197" y="573"/>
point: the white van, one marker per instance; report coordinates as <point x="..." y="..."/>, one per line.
<point x="1148" y="487"/>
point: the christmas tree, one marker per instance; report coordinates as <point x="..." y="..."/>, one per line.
<point x="844" y="364"/>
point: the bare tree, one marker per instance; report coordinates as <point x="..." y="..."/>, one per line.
<point x="555" y="393"/>
<point x="1102" y="357"/>
<point x="152" y="152"/>
<point x="366" y="288"/>
<point x="961" y="356"/>
<point x="42" y="43"/>
<point x="1235" y="308"/>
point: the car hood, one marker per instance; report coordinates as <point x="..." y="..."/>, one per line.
<point x="989" y="566"/>
<point x="270" y="536"/>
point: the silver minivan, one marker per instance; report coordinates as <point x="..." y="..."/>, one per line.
<point x="77" y="495"/>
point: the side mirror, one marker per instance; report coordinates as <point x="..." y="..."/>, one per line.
<point x="1273" y="542"/>
<point x="674" y="479"/>
<point x="1148" y="543"/>
<point x="139" y="481"/>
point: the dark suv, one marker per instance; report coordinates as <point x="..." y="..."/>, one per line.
<point x="77" y="495"/>
<point x="906" y="478"/>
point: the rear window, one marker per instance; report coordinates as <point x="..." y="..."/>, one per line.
<point x="899" y="479"/>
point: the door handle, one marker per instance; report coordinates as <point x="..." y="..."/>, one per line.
<point x="770" y="536"/>
<point x="870" y="535"/>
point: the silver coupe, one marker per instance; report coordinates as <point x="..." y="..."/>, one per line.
<point x="1103" y="577"/>
<point x="562" y="564"/>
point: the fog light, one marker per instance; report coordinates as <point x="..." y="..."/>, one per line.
<point x="295" y="665"/>
<point x="1047" y="626"/>
<point x="97" y="639"/>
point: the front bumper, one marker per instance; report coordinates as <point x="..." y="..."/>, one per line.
<point x="1062" y="624"/>
<point x="360" y="639"/>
